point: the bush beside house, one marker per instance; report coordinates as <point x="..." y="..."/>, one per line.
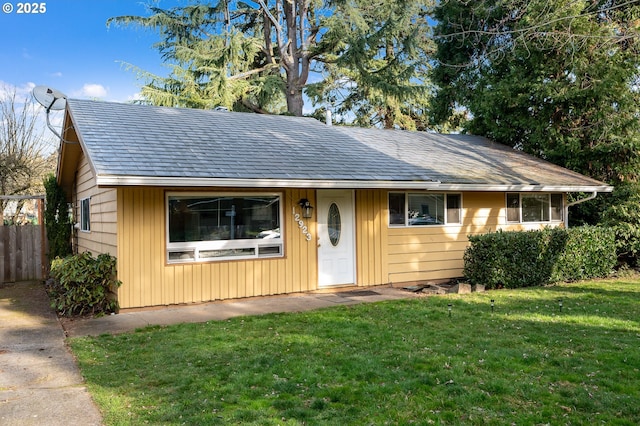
<point x="84" y="285"/>
<point x="531" y="258"/>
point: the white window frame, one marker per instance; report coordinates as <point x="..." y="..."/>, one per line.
<point x="233" y="248"/>
<point x="406" y="209"/>
<point x="550" y="212"/>
<point x="85" y="217"/>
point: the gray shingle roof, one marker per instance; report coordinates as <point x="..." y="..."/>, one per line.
<point x="137" y="144"/>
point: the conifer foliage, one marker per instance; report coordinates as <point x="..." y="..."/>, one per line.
<point x="368" y="60"/>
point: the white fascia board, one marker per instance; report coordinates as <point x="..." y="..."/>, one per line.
<point x="114" y="181"/>
<point x="524" y="188"/>
<point x="110" y="181"/>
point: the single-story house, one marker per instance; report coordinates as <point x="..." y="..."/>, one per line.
<point x="206" y="205"/>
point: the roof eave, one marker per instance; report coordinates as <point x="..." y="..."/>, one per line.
<point x="116" y="181"/>
<point x="525" y="188"/>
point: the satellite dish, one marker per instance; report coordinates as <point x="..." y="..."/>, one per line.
<point x="49" y="98"/>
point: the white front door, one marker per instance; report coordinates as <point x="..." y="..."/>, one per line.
<point x="336" y="237"/>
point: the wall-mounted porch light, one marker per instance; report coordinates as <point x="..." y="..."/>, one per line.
<point x="307" y="209"/>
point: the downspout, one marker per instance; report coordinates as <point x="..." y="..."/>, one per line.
<point x="593" y="195"/>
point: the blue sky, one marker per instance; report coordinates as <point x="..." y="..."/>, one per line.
<point x="70" y="48"/>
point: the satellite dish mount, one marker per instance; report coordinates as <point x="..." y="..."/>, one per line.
<point x="50" y="99"/>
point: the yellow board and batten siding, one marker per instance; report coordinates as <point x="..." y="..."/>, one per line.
<point x="148" y="280"/>
<point x="371" y="237"/>
<point x="384" y="254"/>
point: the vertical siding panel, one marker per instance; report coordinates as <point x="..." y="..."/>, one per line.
<point x="372" y="240"/>
<point x="179" y="284"/>
<point x="377" y="209"/>
<point x="134" y="283"/>
<point x="273" y="277"/>
<point x="146" y="232"/>
<point x="168" y="284"/>
<point x="123" y="267"/>
<point x="249" y="279"/>
<point x="206" y="282"/>
<point x="363" y="238"/>
<point x="384" y="237"/>
<point x="266" y="277"/>
<point x="311" y="266"/>
<point x="156" y="243"/>
<point x="360" y="239"/>
<point x="138" y="224"/>
<point x="224" y="280"/>
<point x="235" y="280"/>
<point x="197" y="283"/>
<point x="257" y="278"/>
<point x="292" y="245"/>
<point x="216" y="281"/>
<point x="188" y="284"/>
<point x="282" y="277"/>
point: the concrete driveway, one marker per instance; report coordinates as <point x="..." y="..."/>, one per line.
<point x="40" y="383"/>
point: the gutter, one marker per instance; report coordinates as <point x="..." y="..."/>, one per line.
<point x="593" y="195"/>
<point x="123" y="180"/>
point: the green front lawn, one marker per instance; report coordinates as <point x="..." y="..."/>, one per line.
<point x="528" y="362"/>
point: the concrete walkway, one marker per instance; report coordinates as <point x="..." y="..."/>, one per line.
<point x="40" y="383"/>
<point x="132" y="319"/>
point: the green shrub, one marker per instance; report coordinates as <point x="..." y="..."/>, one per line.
<point x="56" y="219"/>
<point x="531" y="258"/>
<point x="590" y="252"/>
<point x="84" y="285"/>
<point x="623" y="215"/>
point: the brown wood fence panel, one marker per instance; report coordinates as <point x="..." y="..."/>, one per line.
<point x="21" y="253"/>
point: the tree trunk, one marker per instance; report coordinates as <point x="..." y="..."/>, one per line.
<point x="294" y="99"/>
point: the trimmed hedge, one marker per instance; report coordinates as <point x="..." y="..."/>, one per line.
<point x="84" y="285"/>
<point x="515" y="259"/>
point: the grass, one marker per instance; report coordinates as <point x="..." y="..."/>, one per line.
<point x="398" y="362"/>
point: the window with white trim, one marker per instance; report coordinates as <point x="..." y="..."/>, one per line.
<point x="424" y="209"/>
<point x="85" y="214"/>
<point x="221" y="226"/>
<point x="534" y="207"/>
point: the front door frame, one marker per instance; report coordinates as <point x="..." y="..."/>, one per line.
<point x="331" y="271"/>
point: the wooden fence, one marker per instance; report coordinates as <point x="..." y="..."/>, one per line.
<point x="23" y="248"/>
<point x="21" y="253"/>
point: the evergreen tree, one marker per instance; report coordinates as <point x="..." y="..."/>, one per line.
<point x="372" y="57"/>
<point x="555" y="78"/>
<point x="377" y="74"/>
<point x="234" y="54"/>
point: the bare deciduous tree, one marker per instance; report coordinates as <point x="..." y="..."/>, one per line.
<point x="24" y="160"/>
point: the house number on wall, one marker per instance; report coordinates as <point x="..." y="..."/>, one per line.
<point x="303" y="228"/>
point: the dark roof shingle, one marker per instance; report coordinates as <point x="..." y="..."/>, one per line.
<point x="123" y="141"/>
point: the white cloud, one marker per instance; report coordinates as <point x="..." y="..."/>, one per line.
<point x="7" y="90"/>
<point x="94" y="90"/>
<point x="56" y="74"/>
<point x="135" y="97"/>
